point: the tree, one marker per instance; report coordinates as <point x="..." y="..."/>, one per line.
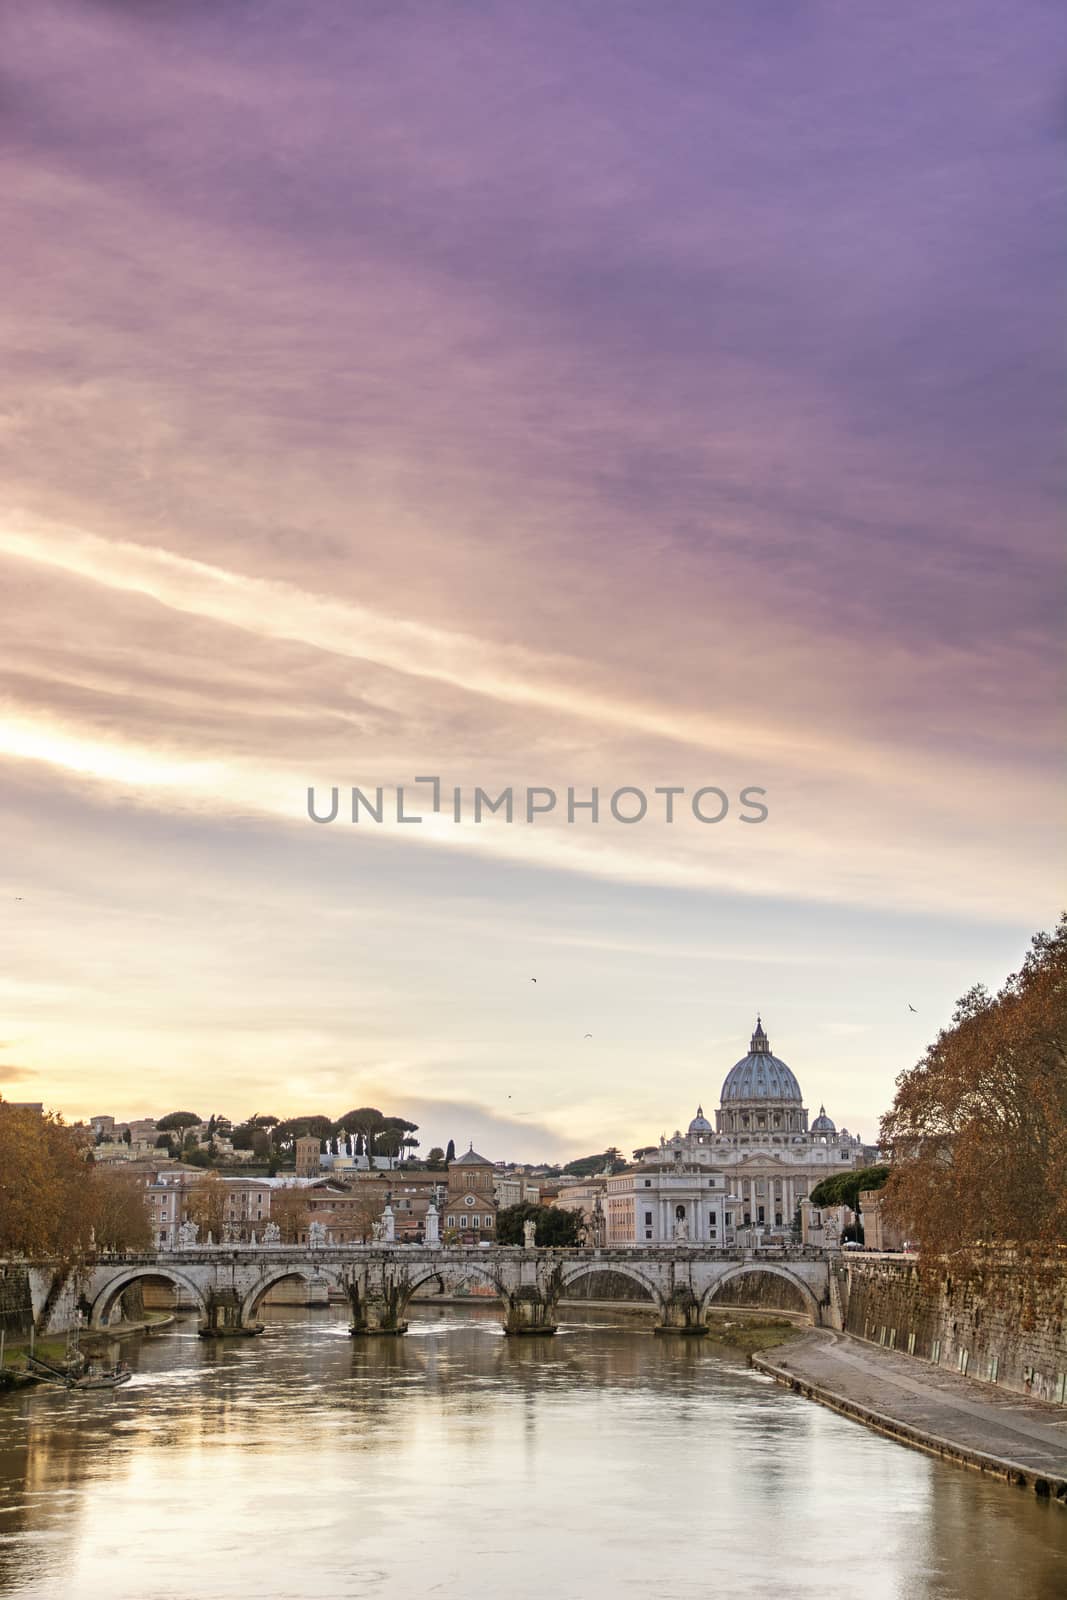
<point x="293" y="1128"/>
<point x="555" y="1226"/>
<point x="207" y="1207"/>
<point x="843" y="1188"/>
<point x="394" y="1136"/>
<point x="289" y="1209"/>
<point x="978" y="1130"/>
<point x="589" y="1166"/>
<point x="54" y="1200"/>
<point x="435" y="1159"/>
<point x="175" y="1121"/>
<point x="450" y="1153"/>
<point x="165" y="1142"/>
<point x="44" y="1186"/>
<point x="119" y="1215"/>
<point x="366" y="1121"/>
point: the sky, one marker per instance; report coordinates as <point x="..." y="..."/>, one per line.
<point x="595" y="394"/>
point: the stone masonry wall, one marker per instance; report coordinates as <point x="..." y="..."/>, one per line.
<point x="16" y="1303"/>
<point x="1002" y="1320"/>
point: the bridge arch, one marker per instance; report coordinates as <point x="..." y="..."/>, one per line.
<point x="453" y="1277"/>
<point x="619" y="1269"/>
<point x="103" y="1303"/>
<point x="808" y="1298"/>
<point x="271" y="1278"/>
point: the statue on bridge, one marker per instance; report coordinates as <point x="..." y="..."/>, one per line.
<point x="272" y="1234"/>
<point x="316" y="1234"/>
<point x="681" y="1231"/>
<point x="529" y="1234"/>
<point x="187" y="1235"/>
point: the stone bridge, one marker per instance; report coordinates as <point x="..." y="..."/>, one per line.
<point x="228" y="1282"/>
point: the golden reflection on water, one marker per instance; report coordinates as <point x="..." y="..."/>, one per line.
<point x="458" y="1464"/>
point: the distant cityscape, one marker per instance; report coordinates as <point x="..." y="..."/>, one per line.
<point x="746" y="1178"/>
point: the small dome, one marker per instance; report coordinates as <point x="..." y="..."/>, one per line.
<point x="759" y="1075"/>
<point x="699" y="1124"/>
<point x="822" y="1123"/>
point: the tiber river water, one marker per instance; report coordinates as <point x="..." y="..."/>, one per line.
<point x="455" y="1463"/>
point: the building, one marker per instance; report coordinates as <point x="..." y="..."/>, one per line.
<point x="349" y="1207"/>
<point x="824" y="1226"/>
<point x="515" y="1189"/>
<point x="675" y="1195"/>
<point x="308" y="1151"/>
<point x="587" y="1196"/>
<point x="470" y="1200"/>
<point x="879" y="1233"/>
<point x="168" y="1192"/>
<point x="742" y="1180"/>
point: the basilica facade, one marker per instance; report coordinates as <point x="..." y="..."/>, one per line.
<point x="740" y="1181"/>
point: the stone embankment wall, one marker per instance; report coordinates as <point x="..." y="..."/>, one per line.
<point x="1001" y="1319"/>
<point x="16" y="1302"/>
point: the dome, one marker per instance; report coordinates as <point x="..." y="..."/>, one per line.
<point x="759" y="1075"/>
<point x="700" y="1124"/>
<point x="822" y="1123"/>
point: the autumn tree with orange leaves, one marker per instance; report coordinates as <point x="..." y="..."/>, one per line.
<point x="54" y="1203"/>
<point x="977" y="1133"/>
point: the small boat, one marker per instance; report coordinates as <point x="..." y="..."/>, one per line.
<point x="110" y="1378"/>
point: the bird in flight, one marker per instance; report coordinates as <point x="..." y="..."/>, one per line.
<point x="533" y="980"/>
<point x="910" y="1006"/>
<point x="589" y="1035"/>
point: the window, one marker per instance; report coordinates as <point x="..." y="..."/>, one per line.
<point x="748" y="1216"/>
<point x="450" y="1222"/>
<point x="711" y="1221"/>
<point x="648" y="1183"/>
<point x="648" y="1219"/>
<point x="760" y="1214"/>
<point x="488" y="1222"/>
<point x="728" y="1219"/>
<point x="476" y="1222"/>
<point x="648" y="1233"/>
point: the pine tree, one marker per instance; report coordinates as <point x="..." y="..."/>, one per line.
<point x="450" y="1153"/>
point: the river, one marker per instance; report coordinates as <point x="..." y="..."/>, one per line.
<point x="458" y="1464"/>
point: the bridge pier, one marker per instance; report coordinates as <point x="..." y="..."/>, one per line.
<point x="224" y="1319"/>
<point x="377" y="1308"/>
<point x="682" y="1313"/>
<point x="529" y="1313"/>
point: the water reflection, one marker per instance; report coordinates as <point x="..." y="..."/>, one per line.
<point x="454" y="1462"/>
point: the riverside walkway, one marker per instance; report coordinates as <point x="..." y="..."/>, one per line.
<point x="959" y="1419"/>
